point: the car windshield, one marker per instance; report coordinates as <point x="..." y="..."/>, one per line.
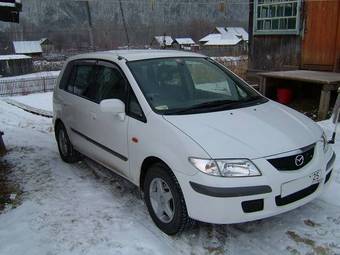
<point x="191" y="85"/>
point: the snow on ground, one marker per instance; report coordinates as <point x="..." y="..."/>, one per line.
<point x="41" y="101"/>
<point x="83" y="209"/>
<point x="32" y="76"/>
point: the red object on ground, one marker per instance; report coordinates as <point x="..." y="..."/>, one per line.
<point x="284" y="95"/>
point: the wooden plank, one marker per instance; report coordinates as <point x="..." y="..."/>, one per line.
<point x="263" y="85"/>
<point x="319" y="40"/>
<point x="306" y="76"/>
<point x="337" y="55"/>
<point x="324" y="103"/>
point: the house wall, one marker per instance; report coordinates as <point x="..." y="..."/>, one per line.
<point x="272" y="52"/>
<point x="315" y="48"/>
<point x="15" y="67"/>
<point x="220" y="51"/>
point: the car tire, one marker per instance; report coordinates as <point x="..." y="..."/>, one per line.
<point x="66" y="150"/>
<point x="161" y="184"/>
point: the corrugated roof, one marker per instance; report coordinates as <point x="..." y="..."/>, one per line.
<point x="184" y="41"/>
<point x="11" y="57"/>
<point x="168" y="40"/>
<point x="26" y="47"/>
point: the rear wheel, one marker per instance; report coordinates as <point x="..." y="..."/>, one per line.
<point x="66" y="150"/>
<point x="165" y="201"/>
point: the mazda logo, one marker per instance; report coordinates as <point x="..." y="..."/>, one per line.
<point x="299" y="159"/>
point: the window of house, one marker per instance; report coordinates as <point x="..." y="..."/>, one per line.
<point x="276" y="16"/>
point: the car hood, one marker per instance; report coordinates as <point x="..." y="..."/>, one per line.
<point x="251" y="132"/>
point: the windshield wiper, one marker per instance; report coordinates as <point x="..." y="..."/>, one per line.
<point x="252" y="98"/>
<point x="205" y="105"/>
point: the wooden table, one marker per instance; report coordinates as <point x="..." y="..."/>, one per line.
<point x="329" y="82"/>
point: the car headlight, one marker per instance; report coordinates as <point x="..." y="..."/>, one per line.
<point x="324" y="142"/>
<point x="226" y="167"/>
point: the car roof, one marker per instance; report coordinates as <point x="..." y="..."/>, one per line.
<point x="133" y="55"/>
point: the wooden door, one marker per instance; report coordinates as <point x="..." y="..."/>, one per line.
<point x="319" y="43"/>
<point x="337" y="55"/>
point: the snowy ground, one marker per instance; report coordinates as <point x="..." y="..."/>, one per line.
<point x="82" y="209"/>
<point x="41" y="101"/>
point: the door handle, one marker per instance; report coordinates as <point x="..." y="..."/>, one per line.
<point x="93" y="116"/>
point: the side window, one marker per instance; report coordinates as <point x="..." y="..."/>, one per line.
<point x="84" y="85"/>
<point x="111" y="84"/>
<point x="134" y="107"/>
<point x="68" y="85"/>
<point x="67" y="77"/>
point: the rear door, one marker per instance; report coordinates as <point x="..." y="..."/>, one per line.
<point x="320" y="39"/>
<point x="83" y="93"/>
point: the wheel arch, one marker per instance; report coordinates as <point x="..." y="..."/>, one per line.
<point x="147" y="162"/>
<point x="57" y="122"/>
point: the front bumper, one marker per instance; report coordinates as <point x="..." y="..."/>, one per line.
<point x="221" y="200"/>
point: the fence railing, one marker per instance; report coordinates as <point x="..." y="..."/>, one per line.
<point x="26" y="86"/>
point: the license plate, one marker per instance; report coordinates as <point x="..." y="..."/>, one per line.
<point x="291" y="187"/>
<point x="316" y="177"/>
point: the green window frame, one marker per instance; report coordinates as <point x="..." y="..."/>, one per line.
<point x="277" y="17"/>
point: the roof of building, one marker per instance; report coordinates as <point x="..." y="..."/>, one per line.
<point x="225" y="36"/>
<point x="42" y="40"/>
<point x="132" y="55"/>
<point x="9" y="3"/>
<point x="12" y="57"/>
<point x="168" y="40"/>
<point x="184" y="41"/>
<point x="239" y="32"/>
<point x="26" y="47"/>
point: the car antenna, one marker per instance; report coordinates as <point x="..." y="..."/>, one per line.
<point x="121" y="58"/>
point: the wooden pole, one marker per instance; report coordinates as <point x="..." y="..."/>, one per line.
<point x="2" y="145"/>
<point x="336" y="108"/>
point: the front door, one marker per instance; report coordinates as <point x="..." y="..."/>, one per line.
<point x="321" y="41"/>
<point x="109" y="131"/>
<point x="101" y="136"/>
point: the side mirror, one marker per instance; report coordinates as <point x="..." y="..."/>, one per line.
<point x="114" y="106"/>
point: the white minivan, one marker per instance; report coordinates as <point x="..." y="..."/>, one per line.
<point x="196" y="139"/>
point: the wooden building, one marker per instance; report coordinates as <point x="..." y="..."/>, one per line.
<point x="184" y="43"/>
<point x="298" y="42"/>
<point x="162" y="42"/>
<point x="46" y="45"/>
<point x="12" y="65"/>
<point x="294" y="34"/>
<point x="9" y="10"/>
<point x="225" y="41"/>
<point x="29" y="48"/>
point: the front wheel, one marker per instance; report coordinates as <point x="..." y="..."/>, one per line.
<point x="165" y="201"/>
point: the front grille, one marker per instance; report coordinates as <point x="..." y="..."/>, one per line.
<point x="280" y="201"/>
<point x="290" y="163"/>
